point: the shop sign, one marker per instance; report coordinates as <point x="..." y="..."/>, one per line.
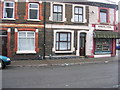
<point x="104" y="27"/>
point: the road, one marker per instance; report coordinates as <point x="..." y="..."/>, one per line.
<point x="102" y="75"/>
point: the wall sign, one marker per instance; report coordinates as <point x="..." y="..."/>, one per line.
<point x="104" y="27"/>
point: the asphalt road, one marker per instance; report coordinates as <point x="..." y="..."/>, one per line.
<point x="100" y="75"/>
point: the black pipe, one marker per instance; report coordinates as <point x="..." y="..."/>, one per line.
<point x="44" y="29"/>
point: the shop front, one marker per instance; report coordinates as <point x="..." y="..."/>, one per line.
<point x="105" y="43"/>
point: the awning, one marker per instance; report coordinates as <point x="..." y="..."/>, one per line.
<point x="106" y="34"/>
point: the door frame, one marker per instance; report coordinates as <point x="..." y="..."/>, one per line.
<point x="82" y="44"/>
<point x="8" y="36"/>
<point x="78" y="40"/>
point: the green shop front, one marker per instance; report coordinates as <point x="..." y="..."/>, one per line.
<point x="105" y="43"/>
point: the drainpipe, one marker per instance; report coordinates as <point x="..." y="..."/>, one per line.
<point x="44" y="29"/>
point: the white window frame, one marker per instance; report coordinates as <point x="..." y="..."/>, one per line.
<point x="25" y="51"/>
<point x="84" y="13"/>
<point x="33" y="9"/>
<point x="72" y="41"/>
<point x="51" y="11"/>
<point x="13" y="18"/>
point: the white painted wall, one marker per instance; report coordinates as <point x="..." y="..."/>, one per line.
<point x="89" y="41"/>
<point x="93" y="15"/>
<point x="119" y="12"/>
<point x="112" y="15"/>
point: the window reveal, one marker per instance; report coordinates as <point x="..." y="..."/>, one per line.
<point x="33" y="11"/>
<point x="78" y="14"/>
<point x="103" y="16"/>
<point x="26" y="41"/>
<point x="63" y="41"/>
<point x="8" y="10"/>
<point x="57" y="13"/>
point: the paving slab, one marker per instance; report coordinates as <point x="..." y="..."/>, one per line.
<point x="62" y="62"/>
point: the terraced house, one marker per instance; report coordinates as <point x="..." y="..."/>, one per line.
<point x="35" y="29"/>
<point x="81" y="29"/>
<point x="20" y="27"/>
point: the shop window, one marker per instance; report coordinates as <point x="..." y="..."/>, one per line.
<point x="8" y="10"/>
<point x="103" y="16"/>
<point x="103" y="46"/>
<point x="26" y="41"/>
<point x="57" y="13"/>
<point x="63" y="41"/>
<point x="33" y="11"/>
<point x="78" y="14"/>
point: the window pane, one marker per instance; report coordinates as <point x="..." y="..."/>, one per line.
<point x="30" y="34"/>
<point x="55" y="17"/>
<point x="76" y="10"/>
<point x="80" y="10"/>
<point x="33" y="6"/>
<point x="76" y="18"/>
<point x="22" y="44"/>
<point x="57" y="37"/>
<point x="59" y="8"/>
<point x="8" y="13"/>
<point x="59" y="17"/>
<point x="63" y="36"/>
<point x="55" y="9"/>
<point x="30" y="44"/>
<point x="103" y="17"/>
<point x="33" y="14"/>
<point x="9" y="4"/>
<point x="63" y="45"/>
<point x="80" y="18"/>
<point x="69" y="46"/>
<point x="22" y="34"/>
<point x="57" y="48"/>
<point x="69" y="36"/>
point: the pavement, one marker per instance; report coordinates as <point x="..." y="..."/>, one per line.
<point x="62" y="62"/>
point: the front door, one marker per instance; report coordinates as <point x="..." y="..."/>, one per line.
<point x="3" y="44"/>
<point x="82" y="43"/>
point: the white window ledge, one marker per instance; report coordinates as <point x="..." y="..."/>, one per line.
<point x="85" y="21"/>
<point x="25" y="52"/>
<point x="8" y="19"/>
<point x="63" y="51"/>
<point x="99" y="56"/>
<point x="33" y="20"/>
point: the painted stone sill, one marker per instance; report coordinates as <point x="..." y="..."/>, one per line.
<point x="33" y="20"/>
<point x="26" y="52"/>
<point x="8" y="19"/>
<point x="63" y="51"/>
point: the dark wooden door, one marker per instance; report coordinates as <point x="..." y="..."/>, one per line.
<point x="82" y="44"/>
<point x="3" y="43"/>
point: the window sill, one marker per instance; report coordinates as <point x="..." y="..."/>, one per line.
<point x="63" y="51"/>
<point x="33" y="20"/>
<point x="58" y="21"/>
<point x="8" y="19"/>
<point x="78" y="22"/>
<point x="25" y="52"/>
<point x="104" y="23"/>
